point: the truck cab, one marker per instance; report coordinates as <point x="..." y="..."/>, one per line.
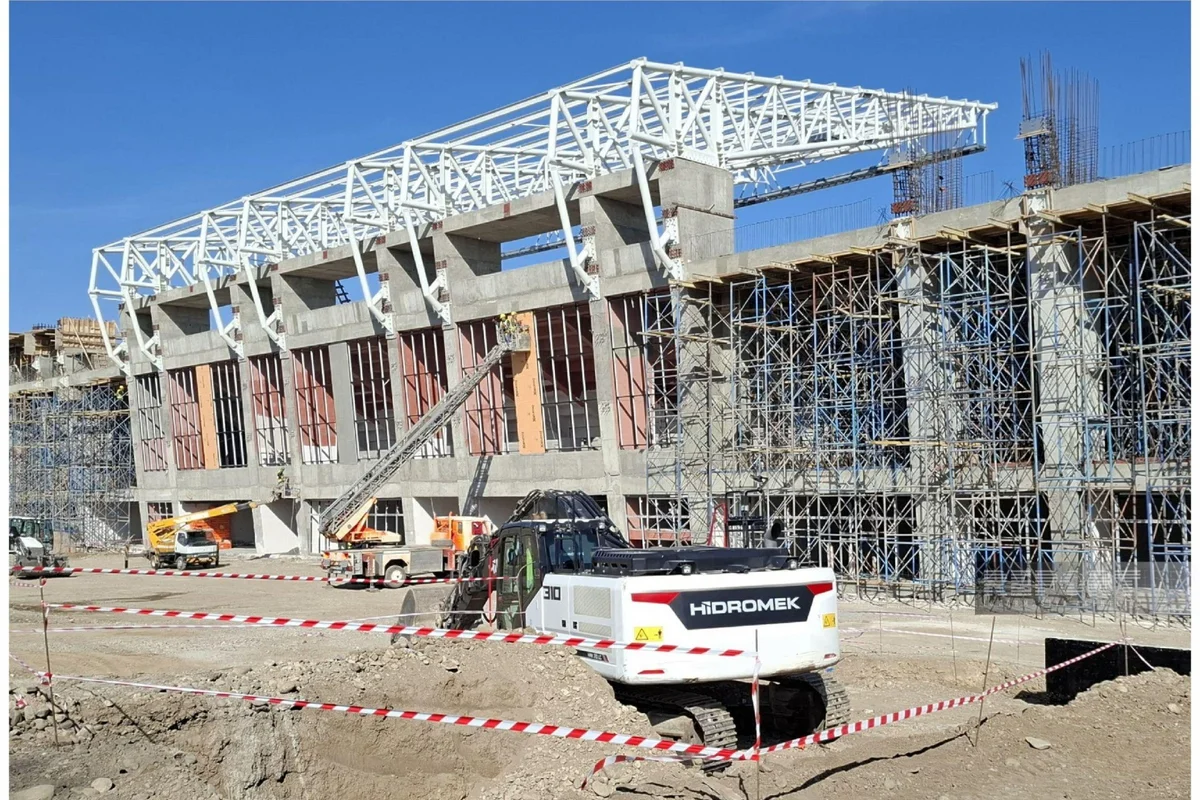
<point x="190" y="546"/>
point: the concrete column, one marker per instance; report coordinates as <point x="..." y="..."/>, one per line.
<point x="464" y="258"/>
<point x="1069" y="355"/>
<point x="1067" y="350"/>
<point x="139" y="533"/>
<point x="932" y="420"/>
<point x="287" y="371"/>
<point x="610" y="448"/>
<point x="141" y="318"/>
<point x="305" y="528"/>
<point x="703" y="390"/>
<point x="410" y="310"/>
<point x="297" y="293"/>
<point x="697" y="202"/>
<point x="398" y="282"/>
<point x="415" y="519"/>
<point x="253" y="335"/>
<point x="343" y="402"/>
<point x="458" y="437"/>
<point x="615" y="223"/>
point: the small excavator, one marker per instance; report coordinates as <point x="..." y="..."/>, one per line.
<point x="178" y="542"/>
<point x="31" y="545"/>
<point x="560" y="565"/>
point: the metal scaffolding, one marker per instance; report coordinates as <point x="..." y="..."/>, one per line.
<point x="71" y="462"/>
<point x="1004" y="417"/>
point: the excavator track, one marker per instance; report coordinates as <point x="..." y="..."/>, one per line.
<point x="833" y="695"/>
<point x="712" y="719"/>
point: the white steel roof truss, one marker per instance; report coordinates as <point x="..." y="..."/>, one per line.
<point x="757" y="128"/>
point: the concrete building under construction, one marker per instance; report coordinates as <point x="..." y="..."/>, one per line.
<point x="991" y="399"/>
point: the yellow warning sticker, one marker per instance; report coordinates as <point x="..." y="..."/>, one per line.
<point x="830" y="620"/>
<point x="647" y="634"/>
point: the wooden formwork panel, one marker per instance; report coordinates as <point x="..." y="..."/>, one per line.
<point x="208" y="420"/>
<point x="531" y="437"/>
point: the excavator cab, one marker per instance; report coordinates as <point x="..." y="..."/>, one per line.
<point x="549" y="532"/>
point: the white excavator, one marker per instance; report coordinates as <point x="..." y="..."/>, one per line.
<point x="560" y="565"/>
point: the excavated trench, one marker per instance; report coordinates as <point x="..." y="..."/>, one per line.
<point x="157" y="744"/>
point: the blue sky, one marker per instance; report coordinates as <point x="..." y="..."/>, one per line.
<point x="125" y="116"/>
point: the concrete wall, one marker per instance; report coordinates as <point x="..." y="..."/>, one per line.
<point x="275" y="528"/>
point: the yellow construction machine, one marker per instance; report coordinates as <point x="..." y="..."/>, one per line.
<point x="178" y="542"/>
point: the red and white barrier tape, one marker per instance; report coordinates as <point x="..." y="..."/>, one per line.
<point x="175" y="573"/>
<point x="23" y="584"/>
<point x="44" y="677"/>
<point x="408" y="630"/>
<point x="216" y="626"/>
<point x="84" y="628"/>
<point x="875" y="722"/>
<point x="539" y="728"/>
<point x="584" y="734"/>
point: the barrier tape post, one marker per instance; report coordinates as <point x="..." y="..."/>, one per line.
<point x="987" y="667"/>
<point x="757" y="721"/>
<point x="46" y="641"/>
<point x="953" y="649"/>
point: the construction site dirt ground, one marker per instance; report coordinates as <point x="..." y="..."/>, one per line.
<point x="1123" y="738"/>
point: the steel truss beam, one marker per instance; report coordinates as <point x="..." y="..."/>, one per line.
<point x="623" y="118"/>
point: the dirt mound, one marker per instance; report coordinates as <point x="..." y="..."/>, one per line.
<point x="1123" y="738"/>
<point x="157" y="744"/>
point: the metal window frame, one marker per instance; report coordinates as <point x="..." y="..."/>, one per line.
<point x="565" y="349"/>
<point x="371" y="386"/>
<point x="758" y="128"/>
<point x="270" y="410"/>
<point x="317" y="420"/>
<point x="423" y="372"/>
<point x="631" y="369"/>
<point x="185" y="419"/>
<point x="156" y="511"/>
<point x="388" y="515"/>
<point x="150" y="427"/>
<point x="640" y="508"/>
<point x="230" y="427"/>
<point x="491" y="427"/>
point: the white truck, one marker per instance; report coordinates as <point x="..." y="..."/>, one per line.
<point x="390" y="564"/>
